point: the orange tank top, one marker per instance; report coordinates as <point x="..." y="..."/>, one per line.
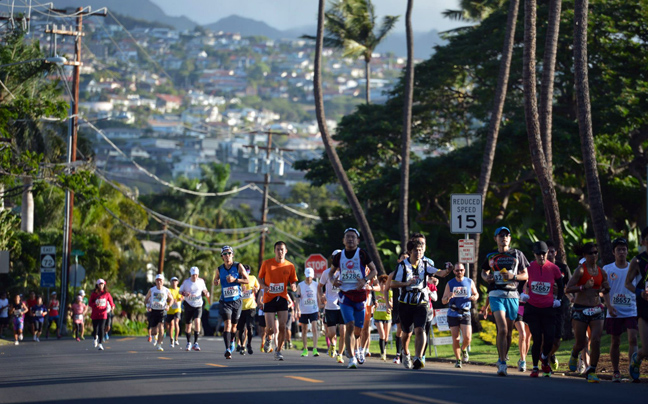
<point x="598" y="278"/>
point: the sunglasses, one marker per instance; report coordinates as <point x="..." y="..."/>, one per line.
<point x="227" y="253"/>
<point x="592" y="253"/>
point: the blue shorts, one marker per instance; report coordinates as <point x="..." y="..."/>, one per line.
<point x="352" y="311"/>
<point x="506" y="304"/>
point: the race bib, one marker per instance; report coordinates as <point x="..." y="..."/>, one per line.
<point x="276" y="288"/>
<point x="621" y="299"/>
<point x="309" y="302"/>
<point x="247" y="293"/>
<point x="78" y="317"/>
<point x="460" y="291"/>
<point x="592" y="311"/>
<point x="231" y="291"/>
<point x="158" y="303"/>
<point x="349" y="276"/>
<point x="381" y="307"/>
<point x="540" y="288"/>
<point x="38" y="313"/>
<point x="101" y="303"/>
<point x="175" y="305"/>
<point x="499" y="278"/>
<point x="54" y="308"/>
<point x="194" y="298"/>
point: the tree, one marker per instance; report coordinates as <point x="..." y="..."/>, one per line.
<point x="330" y="150"/>
<point x="351" y="26"/>
<point x="407" y="130"/>
<point x="595" y="196"/>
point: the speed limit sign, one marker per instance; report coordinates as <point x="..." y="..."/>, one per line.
<point x="466" y="213"/>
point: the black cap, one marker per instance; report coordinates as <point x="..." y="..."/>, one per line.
<point x="540" y="247"/>
<point x="619" y="241"/>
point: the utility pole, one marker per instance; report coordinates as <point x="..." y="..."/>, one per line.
<point x="72" y="150"/>
<point x="162" y="248"/>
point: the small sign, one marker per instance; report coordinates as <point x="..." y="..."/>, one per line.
<point x="442" y="341"/>
<point x="467" y="251"/>
<point x="48" y="266"/>
<point x="466" y="213"/>
<point x="318" y="262"/>
<point x="77" y="275"/>
<point x="441" y="318"/>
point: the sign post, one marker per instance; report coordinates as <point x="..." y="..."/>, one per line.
<point x="466" y="211"/>
<point x="318" y="262"/>
<point x="48" y="266"/>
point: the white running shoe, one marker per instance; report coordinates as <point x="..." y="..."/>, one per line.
<point x="101" y="348"/>
<point x="159" y="348"/>
<point x="34" y="338"/>
<point x="37" y="339"/>
<point x="407" y="362"/>
<point x="196" y="347"/>
<point x="16" y="343"/>
<point x="171" y="344"/>
<point x="20" y="337"/>
<point x="188" y="347"/>
<point x="96" y="342"/>
<point x="501" y="368"/>
<point x="177" y="343"/>
<point x="353" y="363"/>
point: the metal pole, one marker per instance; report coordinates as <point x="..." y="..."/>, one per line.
<point x="162" y="248"/>
<point x="264" y="205"/>
<point x="468" y="263"/>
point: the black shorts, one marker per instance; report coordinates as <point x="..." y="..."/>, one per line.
<point x="156" y="317"/>
<point x="170" y="317"/>
<point x="38" y="325"/>
<point x="412" y="316"/>
<point x="308" y="318"/>
<point x="560" y="319"/>
<point x="333" y="318"/>
<point x="586" y="314"/>
<point x="458" y="321"/>
<point x="261" y="320"/>
<point x="109" y="320"/>
<point x="246" y="319"/>
<point x="396" y="314"/>
<point x="230" y="310"/>
<point x="191" y="313"/>
<point x="276" y="305"/>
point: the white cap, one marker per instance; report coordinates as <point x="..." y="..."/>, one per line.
<point x="82" y="292"/>
<point x="309" y="272"/>
<point x="159" y="276"/>
<point x="174" y="279"/>
<point x="100" y="281"/>
<point x="194" y="271"/>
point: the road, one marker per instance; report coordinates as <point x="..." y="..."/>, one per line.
<point x="130" y="370"/>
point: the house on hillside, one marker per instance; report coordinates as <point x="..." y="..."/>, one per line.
<point x="167" y="103"/>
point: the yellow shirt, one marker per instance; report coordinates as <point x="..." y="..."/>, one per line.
<point x="249" y="301"/>
<point x="176" y="306"/>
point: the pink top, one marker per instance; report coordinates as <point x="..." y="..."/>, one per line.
<point x="78" y="308"/>
<point x="541" y="283"/>
<point x="99" y="302"/>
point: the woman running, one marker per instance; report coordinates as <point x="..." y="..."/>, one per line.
<point x="382" y="316"/>
<point x="99" y="302"/>
<point x="17" y="311"/>
<point x="459" y="294"/>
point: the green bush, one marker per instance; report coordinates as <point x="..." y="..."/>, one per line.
<point x="124" y="326"/>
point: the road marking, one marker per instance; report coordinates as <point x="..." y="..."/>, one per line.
<point x="126" y="339"/>
<point x="162" y="357"/>
<point x="305" y="379"/>
<point x="215" y="365"/>
<point x="132" y="351"/>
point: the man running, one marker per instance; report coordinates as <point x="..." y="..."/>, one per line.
<point x="352" y="264"/>
<point x="275" y="276"/>
<point x="172" y="320"/>
<point x="503" y="268"/>
<point x="329" y="294"/>
<point x="246" y="321"/>
<point x="637" y="282"/>
<point x="160" y="299"/>
<point x="307" y="309"/>
<point x="193" y="290"/>
<point x="231" y="275"/>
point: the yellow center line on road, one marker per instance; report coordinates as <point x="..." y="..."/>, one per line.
<point x="162" y="357"/>
<point x="132" y="351"/>
<point x="305" y="379"/>
<point x="215" y="365"/>
<point x="125" y="339"/>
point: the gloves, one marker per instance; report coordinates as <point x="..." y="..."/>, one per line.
<point x="556" y="303"/>
<point x="524" y="297"/>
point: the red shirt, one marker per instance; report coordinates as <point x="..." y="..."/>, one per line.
<point x="54" y="308"/>
<point x="541" y="283"/>
<point x="99" y="302"/>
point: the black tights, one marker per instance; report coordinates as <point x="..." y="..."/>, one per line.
<point x="99" y="329"/>
<point x="542" y="323"/>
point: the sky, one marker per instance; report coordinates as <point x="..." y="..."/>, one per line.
<point x="286" y="14"/>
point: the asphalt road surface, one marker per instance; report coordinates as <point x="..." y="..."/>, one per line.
<point x="130" y="370"/>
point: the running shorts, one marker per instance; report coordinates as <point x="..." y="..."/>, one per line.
<point x="191" y="313"/>
<point x="508" y="305"/>
<point x="616" y="326"/>
<point x="156" y="317"/>
<point x="170" y="317"/>
<point x="457" y="321"/>
<point x="412" y="316"/>
<point x="276" y="305"/>
<point x="230" y="310"/>
<point x="333" y="318"/>
<point x="308" y="318"/>
<point x="352" y="312"/>
<point x="586" y="314"/>
<point x="246" y="319"/>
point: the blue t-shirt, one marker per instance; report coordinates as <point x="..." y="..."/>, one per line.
<point x="462" y="291"/>
<point x="230" y="291"/>
<point x="37" y="312"/>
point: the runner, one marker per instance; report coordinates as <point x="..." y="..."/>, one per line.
<point x="109" y="319"/>
<point x="383" y="315"/>
<point x="307" y="309"/>
<point x="231" y="275"/>
<point x="503" y="268"/>
<point x="565" y="304"/>
<point x="433" y="293"/>
<point x="393" y="305"/>
<point x="160" y="298"/>
<point x="99" y="302"/>
<point x="522" y="327"/>
<point x="275" y="275"/>
<point x="172" y="319"/>
<point x="261" y="324"/>
<point x="248" y="309"/>
<point x="352" y="264"/>
<point x="588" y="282"/>
<point x="193" y="290"/>
<point x="17" y="311"/>
<point x="539" y="310"/>
<point x="38" y="314"/>
<point x="329" y="294"/>
<point x="4" y="313"/>
<point x="28" y="317"/>
<point x="412" y="278"/>
<point x="459" y="294"/>
<point x="79" y="310"/>
<point x="621" y="306"/>
<point x="53" y="316"/>
<point x="365" y="335"/>
<point x="639" y="270"/>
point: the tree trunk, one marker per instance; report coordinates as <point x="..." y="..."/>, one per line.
<point x="540" y="167"/>
<point x="2" y="192"/>
<point x="407" y="129"/>
<point x="27" y="208"/>
<point x="595" y="197"/>
<point x="546" y="109"/>
<point x="496" y="116"/>
<point x="368" y="79"/>
<point x="330" y="150"/>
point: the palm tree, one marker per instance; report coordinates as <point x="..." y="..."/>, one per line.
<point x="407" y="128"/>
<point x="472" y="10"/>
<point x="330" y="150"/>
<point x="597" y="211"/>
<point x="350" y="26"/>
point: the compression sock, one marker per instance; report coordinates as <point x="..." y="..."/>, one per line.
<point x="398" y="347"/>
<point x="195" y="337"/>
<point x="227" y="339"/>
<point x="382" y="343"/>
<point x="188" y="338"/>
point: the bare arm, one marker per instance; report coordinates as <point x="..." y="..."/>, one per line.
<point x="572" y="284"/>
<point x="633" y="271"/>
<point x="243" y="278"/>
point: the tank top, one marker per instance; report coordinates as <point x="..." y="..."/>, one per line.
<point x="598" y="278"/>
<point x="350" y="270"/>
<point x="642" y="304"/>
<point x="461" y="301"/>
<point x="230" y="291"/>
<point x="332" y="292"/>
<point x="381" y="307"/>
<point x="308" y="297"/>
<point x="158" y="299"/>
<point x="621" y="298"/>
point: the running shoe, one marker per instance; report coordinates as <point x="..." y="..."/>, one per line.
<point x="464" y="355"/>
<point x="616" y="377"/>
<point x="383" y="357"/>
<point x="553" y="362"/>
<point x="154" y="342"/>
<point x="535" y="372"/>
<point x="367" y="353"/>
<point x="592" y="378"/>
<point x="304" y="352"/>
<point x="101" y="348"/>
<point x="340" y="359"/>
<point x="82" y="338"/>
<point x="106" y="337"/>
<point x="545" y="365"/>
<point x="196" y="347"/>
<point x="266" y="346"/>
<point x="278" y="356"/>
<point x="361" y="358"/>
<point x="331" y="350"/>
<point x="353" y="363"/>
<point x="20" y="337"/>
<point x="232" y="346"/>
<point x="171" y="344"/>
<point x="397" y="360"/>
<point x="37" y="339"/>
<point x="34" y="338"/>
<point x="262" y="347"/>
<point x="242" y="351"/>
<point x="573" y="363"/>
<point x="501" y="368"/>
<point x="239" y="348"/>
<point x="150" y="338"/>
<point x="635" y="366"/>
<point x="78" y="340"/>
<point x="16" y="343"/>
<point x="249" y="349"/>
<point x="159" y="348"/>
<point x="228" y="354"/>
<point x="407" y="362"/>
<point x="96" y="342"/>
<point x="581" y="366"/>
<point x="458" y="364"/>
<point x="188" y="348"/>
<point x="522" y="365"/>
<point x="417" y="364"/>
<point x="177" y="343"/>
<point x="315" y="353"/>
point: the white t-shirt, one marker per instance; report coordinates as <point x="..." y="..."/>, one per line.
<point x="308" y="297"/>
<point x="621" y="298"/>
<point x="332" y="293"/>
<point x="158" y="298"/>
<point x="195" y="290"/>
<point x="4" y="313"/>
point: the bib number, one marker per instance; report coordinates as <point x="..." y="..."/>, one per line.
<point x="592" y="311"/>
<point x="78" y="317"/>
<point x="499" y="278"/>
<point x="101" y="303"/>
<point x="309" y="302"/>
<point x="621" y="299"/>
<point x="382" y="307"/>
<point x="247" y="294"/>
<point x="540" y="288"/>
<point x="194" y="298"/>
<point x="460" y="291"/>
<point x="276" y="288"/>
<point x="231" y="291"/>
<point x="349" y="276"/>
